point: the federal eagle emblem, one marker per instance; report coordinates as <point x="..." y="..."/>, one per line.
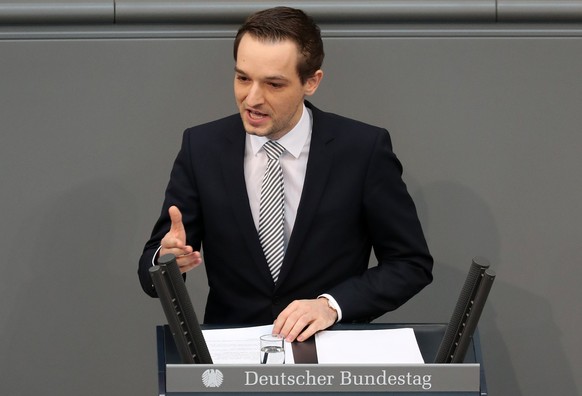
<point x="212" y="378"/>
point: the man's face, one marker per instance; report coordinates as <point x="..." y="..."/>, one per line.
<point x="267" y="88"/>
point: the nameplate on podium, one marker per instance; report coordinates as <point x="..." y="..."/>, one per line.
<point x="323" y="378"/>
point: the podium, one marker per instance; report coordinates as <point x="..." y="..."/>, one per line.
<point x="466" y="379"/>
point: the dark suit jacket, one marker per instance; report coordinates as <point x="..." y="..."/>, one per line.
<point x="353" y="199"/>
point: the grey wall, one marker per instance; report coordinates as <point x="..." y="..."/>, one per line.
<point x="484" y="115"/>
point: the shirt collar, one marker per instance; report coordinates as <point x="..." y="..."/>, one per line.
<point x="293" y="141"/>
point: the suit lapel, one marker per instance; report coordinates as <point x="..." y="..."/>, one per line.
<point x="319" y="166"/>
<point x="232" y="161"/>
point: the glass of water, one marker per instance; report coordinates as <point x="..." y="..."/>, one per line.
<point x="272" y="349"/>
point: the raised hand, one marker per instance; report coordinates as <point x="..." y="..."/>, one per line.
<point x="174" y="242"/>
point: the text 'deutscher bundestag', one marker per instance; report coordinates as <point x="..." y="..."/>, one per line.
<point x="323" y="378"/>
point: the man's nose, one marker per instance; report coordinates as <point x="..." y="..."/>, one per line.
<point x="255" y="95"/>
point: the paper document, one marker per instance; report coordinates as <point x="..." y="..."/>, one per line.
<point x="398" y="346"/>
<point x="239" y="345"/>
<point x="384" y="346"/>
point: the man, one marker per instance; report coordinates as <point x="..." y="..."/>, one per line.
<point x="342" y="194"/>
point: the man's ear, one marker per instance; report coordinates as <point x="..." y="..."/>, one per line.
<point x="313" y="82"/>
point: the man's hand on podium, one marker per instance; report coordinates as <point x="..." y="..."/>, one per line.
<point x="303" y="318"/>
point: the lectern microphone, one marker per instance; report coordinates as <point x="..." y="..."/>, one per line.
<point x="179" y="312"/>
<point x="467" y="312"/>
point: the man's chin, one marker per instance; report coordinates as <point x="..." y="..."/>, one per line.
<point x="256" y="131"/>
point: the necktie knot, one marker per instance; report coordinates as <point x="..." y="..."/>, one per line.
<point x="273" y="149"/>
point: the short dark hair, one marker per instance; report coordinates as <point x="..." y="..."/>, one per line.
<point x="285" y="23"/>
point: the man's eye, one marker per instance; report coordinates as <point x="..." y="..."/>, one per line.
<point x="275" y="85"/>
<point x="242" y="78"/>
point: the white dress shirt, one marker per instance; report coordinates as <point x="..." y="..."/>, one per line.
<point x="294" y="164"/>
<point x="293" y="161"/>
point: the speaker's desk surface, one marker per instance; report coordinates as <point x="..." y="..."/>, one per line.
<point x="428" y="336"/>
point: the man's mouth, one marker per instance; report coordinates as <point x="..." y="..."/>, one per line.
<point x="256" y="115"/>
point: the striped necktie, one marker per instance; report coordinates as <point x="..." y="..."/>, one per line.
<point x="272" y="210"/>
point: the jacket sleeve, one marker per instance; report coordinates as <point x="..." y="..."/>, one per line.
<point x="404" y="263"/>
<point x="182" y="192"/>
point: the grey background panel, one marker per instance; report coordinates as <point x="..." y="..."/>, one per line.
<point x="220" y="11"/>
<point x="539" y="10"/>
<point x="51" y="12"/>
<point x="89" y="132"/>
<point x="324" y="11"/>
<point x="487" y="126"/>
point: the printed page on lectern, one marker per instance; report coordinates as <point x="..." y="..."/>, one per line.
<point x="383" y="346"/>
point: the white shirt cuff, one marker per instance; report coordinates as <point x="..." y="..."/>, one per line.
<point x="155" y="258"/>
<point x="333" y="303"/>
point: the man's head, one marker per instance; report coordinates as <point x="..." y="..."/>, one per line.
<point x="284" y="23"/>
<point x="278" y="54"/>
